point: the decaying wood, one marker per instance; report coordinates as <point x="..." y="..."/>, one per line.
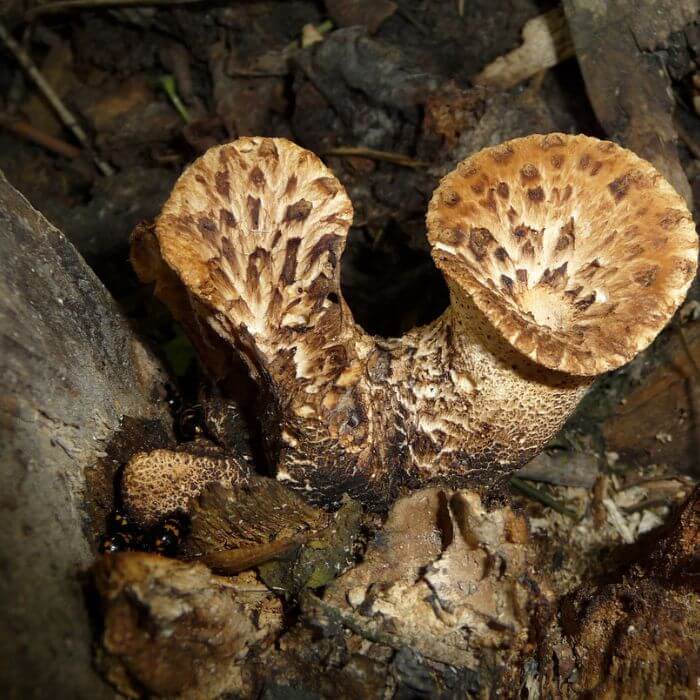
<point x="619" y="48"/>
<point x="70" y="371"/>
<point x="443" y="564"/>
<point x="54" y="100"/>
<point x="263" y="524"/>
<point x="175" y="630"/>
<point x="633" y="633"/>
<point x="657" y="422"/>
<point x="546" y="42"/>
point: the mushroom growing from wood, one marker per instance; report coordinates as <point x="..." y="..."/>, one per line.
<point x="564" y="255"/>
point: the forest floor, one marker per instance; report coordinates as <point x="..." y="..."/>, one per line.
<point x="391" y="95"/>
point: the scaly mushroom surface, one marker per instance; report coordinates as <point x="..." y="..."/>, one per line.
<point x="564" y="256"/>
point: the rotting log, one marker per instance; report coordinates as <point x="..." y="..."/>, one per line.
<point x="71" y="371"/>
<point x="619" y="46"/>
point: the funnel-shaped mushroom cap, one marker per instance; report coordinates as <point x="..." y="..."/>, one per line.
<point x="255" y="230"/>
<point x="575" y="249"/>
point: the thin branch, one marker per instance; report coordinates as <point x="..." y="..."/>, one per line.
<point x="68" y="5"/>
<point x="26" y="131"/>
<point x="542" y="497"/>
<point x="54" y="100"/>
<point x="373" y="154"/>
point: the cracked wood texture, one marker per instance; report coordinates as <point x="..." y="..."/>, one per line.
<point x="70" y="370"/>
<point x="620" y="48"/>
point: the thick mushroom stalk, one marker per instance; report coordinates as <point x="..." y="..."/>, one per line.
<point x="565" y="256"/>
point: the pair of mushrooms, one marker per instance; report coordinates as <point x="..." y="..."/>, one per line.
<point x="564" y="256"/>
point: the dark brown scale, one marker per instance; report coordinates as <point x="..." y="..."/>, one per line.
<point x="257" y="177"/>
<point x="502" y="154"/>
<point x="221" y="182"/>
<point x="291" y="185"/>
<point x="566" y="236"/>
<point x="584" y="303"/>
<point x="671" y="218"/>
<point x="253" y="204"/>
<point x="451" y="198"/>
<point x="620" y="187"/>
<point x="329" y="185"/>
<point x="226" y="218"/>
<point x="298" y="211"/>
<point x="529" y="172"/>
<point x="536" y="194"/>
<point x="557" y="161"/>
<point x="288" y="274"/>
<point x="501" y="254"/>
<point x="646" y="277"/>
<point x="327" y="242"/>
<point x="479" y="241"/>
<point x="489" y="202"/>
<point x="206" y="225"/>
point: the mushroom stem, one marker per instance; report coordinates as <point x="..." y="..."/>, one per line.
<point x="564" y="256"/>
<point x="479" y="408"/>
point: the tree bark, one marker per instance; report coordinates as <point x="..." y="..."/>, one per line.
<point x="71" y="371"/>
<point x="620" y="48"/>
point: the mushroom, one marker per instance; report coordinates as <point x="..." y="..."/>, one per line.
<point x="163" y="481"/>
<point x="564" y="255"/>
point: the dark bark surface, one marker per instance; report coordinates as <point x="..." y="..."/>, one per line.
<point x="622" y="49"/>
<point x="70" y="371"/>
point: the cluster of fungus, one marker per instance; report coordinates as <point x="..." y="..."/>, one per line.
<point x="564" y="256"/>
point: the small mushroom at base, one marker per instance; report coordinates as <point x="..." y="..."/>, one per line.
<point x="160" y="482"/>
<point x="564" y="255"/>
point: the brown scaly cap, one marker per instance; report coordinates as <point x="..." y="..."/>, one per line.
<point x="255" y="229"/>
<point x="575" y="249"/>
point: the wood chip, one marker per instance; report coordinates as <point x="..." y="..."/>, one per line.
<point x="546" y="42"/>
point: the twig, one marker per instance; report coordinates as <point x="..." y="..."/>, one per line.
<point x="54" y="100"/>
<point x="617" y="520"/>
<point x="31" y="133"/>
<point x="373" y="154"/>
<point x="542" y="497"/>
<point x="651" y="482"/>
<point x="649" y="503"/>
<point x="63" y="5"/>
